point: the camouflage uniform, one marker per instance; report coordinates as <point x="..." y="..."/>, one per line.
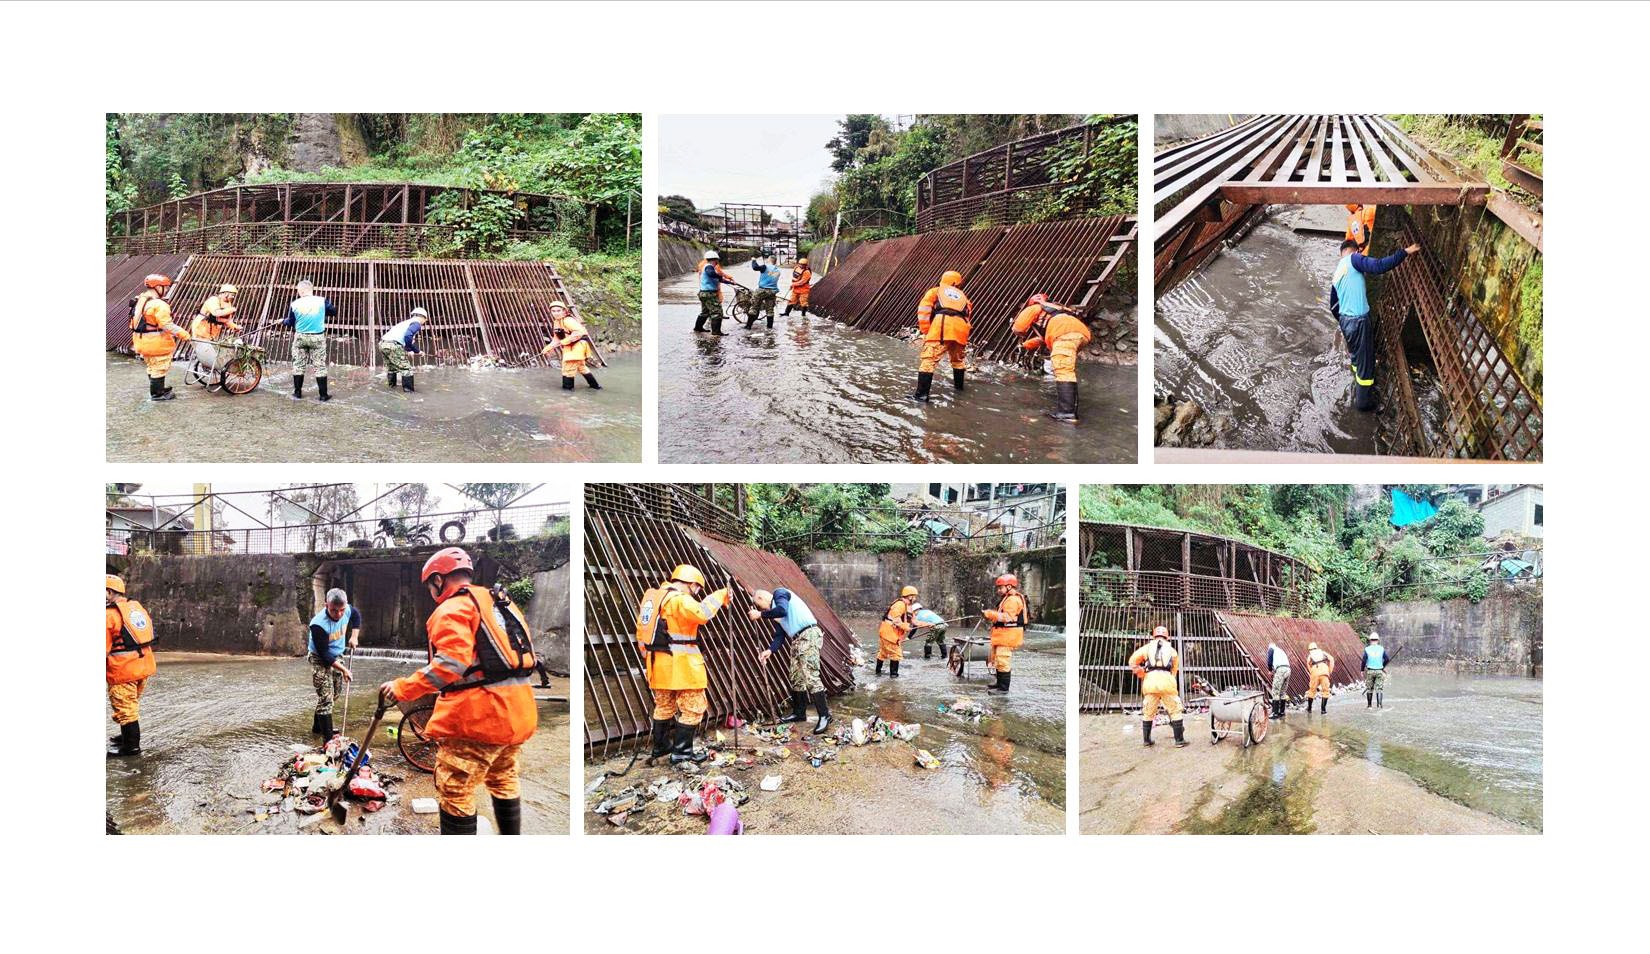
<point x="309" y="353"/>
<point x="329" y="683"/>
<point x="936" y="637"/>
<point x="395" y="357"/>
<point x="805" y="661"/>
<point x="710" y="308"/>
<point x="765" y="298"/>
<point x="462" y="766"/>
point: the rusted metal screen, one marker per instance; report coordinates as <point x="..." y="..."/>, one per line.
<point x="1253" y="633"/>
<point x="894" y="309"/>
<point x="826" y="290"/>
<point x="122" y="281"/>
<point x="1210" y="659"/>
<point x="475" y="308"/>
<point x="886" y="258"/>
<point x="1001" y="185"/>
<point x="1130" y="565"/>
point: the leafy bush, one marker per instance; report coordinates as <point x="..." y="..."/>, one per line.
<point x="520" y="591"/>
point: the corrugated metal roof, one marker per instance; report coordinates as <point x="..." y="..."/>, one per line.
<point x="1253" y="633"/>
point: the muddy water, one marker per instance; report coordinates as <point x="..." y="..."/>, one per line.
<point x="1250" y="336"/>
<point x="493" y="414"/>
<point x="814" y="391"/>
<point x="214" y="727"/>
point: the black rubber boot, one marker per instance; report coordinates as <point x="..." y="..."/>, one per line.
<point x="823" y="709"/>
<point x="315" y="724"/>
<point x="958" y="378"/>
<point x="326" y="728"/>
<point x="770" y="320"/>
<point x="130" y="741"/>
<point x="1369" y="700"/>
<point x="925" y="380"/>
<point x="297" y="387"/>
<point x="799" y="709"/>
<point x="590" y="379"/>
<point x="1324" y="705"/>
<point x="804" y="311"/>
<point x="699" y="324"/>
<point x="391" y="378"/>
<point x="928" y="650"/>
<point x="716" y="326"/>
<point x="1008" y="680"/>
<point x="681" y="749"/>
<point x="893" y="669"/>
<point x="787" y="312"/>
<point x="406" y="382"/>
<point x="566" y="383"/>
<point x="321" y="382"/>
<point x="941" y="647"/>
<point x="661" y="739"/>
<point x="1065" y="402"/>
<point x="996" y="682"/>
<point x="158" y="391"/>
<point x="458" y="824"/>
<point x="879" y="667"/>
<point x="507" y="813"/>
<point x="1179" y="728"/>
<point x="1146" y="732"/>
<point x="1380" y="700"/>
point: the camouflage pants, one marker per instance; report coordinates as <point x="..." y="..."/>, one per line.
<point x="462" y="766"/>
<point x="936" y="636"/>
<point x="123" y="699"/>
<point x="329" y="684"/>
<point x="309" y="353"/>
<point x="805" y="661"/>
<point x="1375" y="680"/>
<point x="1280" y="682"/>
<point x="710" y="308"/>
<point x="395" y="357"/>
<point x="765" y="298"/>
<point x="687" y="706"/>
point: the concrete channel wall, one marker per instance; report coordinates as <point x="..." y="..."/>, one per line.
<point x="678" y="256"/>
<point x="1500" y="634"/>
<point x="953" y="582"/>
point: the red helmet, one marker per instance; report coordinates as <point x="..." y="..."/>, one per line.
<point x="1037" y="299"/>
<point x="1008" y="579"/>
<point x="156" y="280"/>
<point x="444" y="562"/>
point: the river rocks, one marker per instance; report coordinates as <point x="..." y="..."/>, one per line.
<point x="1181" y="422"/>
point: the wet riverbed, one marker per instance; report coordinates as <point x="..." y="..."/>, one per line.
<point x="1249" y="336"/>
<point x="813" y="391"/>
<point x="214" y="727"/>
<point x="457" y="414"/>
<point x="1448" y="753"/>
<point x="1002" y="774"/>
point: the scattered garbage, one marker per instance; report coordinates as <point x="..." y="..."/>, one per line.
<point x="770" y="783"/>
<point x="965" y="709"/>
<point x="857" y="733"/>
<point x="305" y="780"/>
<point x="425" y="806"/>
<point x="725" y="820"/>
<point x="927" y="759"/>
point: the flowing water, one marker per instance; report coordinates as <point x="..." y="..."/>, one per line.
<point x="214" y="727"/>
<point x="1250" y="336"/>
<point x="814" y="391"/>
<point x="457" y="414"/>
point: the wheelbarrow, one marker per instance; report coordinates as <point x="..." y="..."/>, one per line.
<point x="416" y="747"/>
<point x="1240" y="712"/>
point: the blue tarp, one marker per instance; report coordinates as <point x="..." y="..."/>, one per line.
<point x="929" y="617"/>
<point x="1407" y="510"/>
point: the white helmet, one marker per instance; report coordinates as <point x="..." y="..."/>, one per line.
<point x="713" y="256"/>
<point x="419" y="313"/>
<point x="1374" y="637"/>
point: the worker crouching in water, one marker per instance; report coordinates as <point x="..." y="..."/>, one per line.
<point x="1278" y="661"/>
<point x="895" y="628"/>
<point x="932" y="626"/>
<point x="1008" y="629"/>
<point x="1157" y="664"/>
<point x="794" y="623"/>
<point x="307" y="317"/>
<point x="1374" y="667"/>
<point x="1060" y="331"/>
<point x="711" y="280"/>
<point x="573" y="341"/>
<point x="129" y="653"/>
<point x="481" y="658"/>
<point x="667" y="628"/>
<point x="943" y="321"/>
<point x="400" y="341"/>
<point x="154" y="335"/>
<point x="1349" y="303"/>
<point x="767" y="293"/>
<point x="335" y="630"/>
<point x="802" y="281"/>
<point x="1319" y="666"/>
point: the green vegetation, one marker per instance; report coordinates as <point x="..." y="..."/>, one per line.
<point x="1529" y="317"/>
<point x="520" y="591"/>
<point x="1469" y="145"/>
<point x="1359" y="557"/>
<point x="793" y="519"/>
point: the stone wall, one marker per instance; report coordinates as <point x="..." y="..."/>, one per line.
<point x="1501" y="633"/>
<point x="228" y="604"/>
<point x="953" y="582"/>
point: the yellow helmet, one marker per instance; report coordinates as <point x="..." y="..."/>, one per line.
<point x="228" y="289"/>
<point x="112" y="582"/>
<point x="687" y="574"/>
<point x="908" y="591"/>
<point x="953" y="279"/>
<point x="802" y="261"/>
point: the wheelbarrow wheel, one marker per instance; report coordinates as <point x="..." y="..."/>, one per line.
<point x="195" y="374"/>
<point x="1214" y="731"/>
<point x="416" y="747"/>
<point x="241" y="375"/>
<point x="1255" y="729"/>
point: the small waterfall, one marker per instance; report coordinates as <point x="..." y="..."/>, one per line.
<point x="399" y="655"/>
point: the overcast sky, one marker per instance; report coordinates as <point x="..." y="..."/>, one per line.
<point x="770" y="160"/>
<point x="446" y="499"/>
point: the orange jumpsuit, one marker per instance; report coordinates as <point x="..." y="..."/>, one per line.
<point x="575" y="347"/>
<point x="896" y="624"/>
<point x="802" y="280"/>
<point x="678" y="678"/>
<point x="216" y="317"/>
<point x="154" y="335"/>
<point x="1062" y="333"/>
<point x="1360" y="225"/>
<point x="1158" y="664"/>
<point x="478" y="730"/>
<point x="1320" y="665"/>
<point x="943" y="319"/>
<point x="127" y="668"/>
<point x="1008" y="632"/>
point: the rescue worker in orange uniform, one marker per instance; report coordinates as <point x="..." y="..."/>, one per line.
<point x="128" y="646"/>
<point x="154" y="335"/>
<point x="896" y="627"/>
<point x="943" y="320"/>
<point x="802" y="280"/>
<point x="670" y="616"/>
<point x="481" y="658"/>
<point x="1157" y="664"/>
<point x="1320" y="665"/>
<point x="217" y="315"/>
<point x="573" y="341"/>
<point x="1061" y="331"/>
<point x="1008" y="629"/>
<point x="1360" y="225"/>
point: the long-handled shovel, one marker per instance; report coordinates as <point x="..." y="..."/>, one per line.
<point x="339" y="814"/>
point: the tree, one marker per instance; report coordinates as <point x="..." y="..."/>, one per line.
<point x="496" y="497"/>
<point x="853" y="133"/>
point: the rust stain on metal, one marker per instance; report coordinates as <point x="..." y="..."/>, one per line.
<point x="123" y="280"/>
<point x="1252" y="633"/>
<point x="894" y="310"/>
<point x="884" y="260"/>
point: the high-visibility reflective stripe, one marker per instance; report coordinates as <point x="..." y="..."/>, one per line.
<point x="1368" y="384"/>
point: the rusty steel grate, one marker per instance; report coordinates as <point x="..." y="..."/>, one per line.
<point x="894" y="310"/>
<point x="884" y="260"/>
<point x="1253" y="633"/>
<point x="123" y="280"/>
<point x="823" y="298"/>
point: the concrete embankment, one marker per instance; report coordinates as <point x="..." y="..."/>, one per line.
<point x="678" y="256"/>
<point x="953" y="582"/>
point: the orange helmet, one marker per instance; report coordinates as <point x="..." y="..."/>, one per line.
<point x="685" y="573"/>
<point x="1037" y="299"/>
<point x="444" y="562"/>
<point x="1353" y="207"/>
<point x="156" y="280"/>
<point x="906" y="591"/>
<point x="1160" y="632"/>
<point x="1007" y="579"/>
<point x="953" y="279"/>
<point x="112" y="582"/>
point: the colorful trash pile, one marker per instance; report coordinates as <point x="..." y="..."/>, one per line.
<point x="309" y="775"/>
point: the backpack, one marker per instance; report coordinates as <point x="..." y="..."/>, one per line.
<point x="651" y="631"/>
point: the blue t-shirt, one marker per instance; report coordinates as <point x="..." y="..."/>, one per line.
<point x="768" y="277"/>
<point x="790" y="616"/>
<point x="308" y="315"/>
<point x="328" y="636"/>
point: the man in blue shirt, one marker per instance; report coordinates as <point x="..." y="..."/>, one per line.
<point x="793" y="622"/>
<point x="767" y="291"/>
<point x="399" y="342"/>
<point x="307" y="316"/>
<point x="1374" y="667"/>
<point x="1349" y="303"/>
<point x="334" y="630"/>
